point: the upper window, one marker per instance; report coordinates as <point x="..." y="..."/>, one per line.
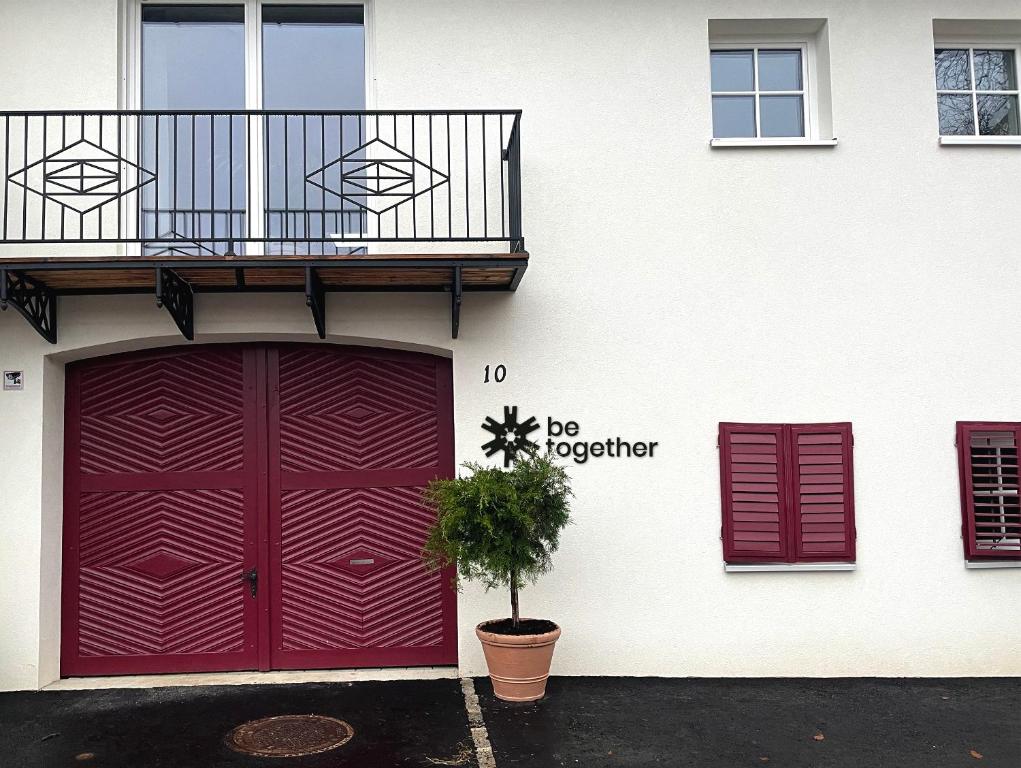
<point x="788" y="493"/>
<point x="977" y="90"/>
<point x="991" y="508"/>
<point x="759" y="92"/>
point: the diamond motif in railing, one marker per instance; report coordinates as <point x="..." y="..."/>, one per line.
<point x="82" y="176"/>
<point x="376" y="177"/>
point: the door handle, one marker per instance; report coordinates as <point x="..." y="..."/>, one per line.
<point x="252" y="577"/>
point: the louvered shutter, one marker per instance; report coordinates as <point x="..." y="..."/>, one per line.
<point x="754" y="505"/>
<point x="822" y="492"/>
<point x="988" y="455"/>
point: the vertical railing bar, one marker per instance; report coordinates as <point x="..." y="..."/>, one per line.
<point x="174" y="208"/>
<point x="81" y="135"/>
<point x="139" y="127"/>
<point x="156" y="159"/>
<point x="485" y="200"/>
<point x="212" y="178"/>
<point x="467" y="205"/>
<point x="63" y="143"/>
<point x="322" y="192"/>
<point x="396" y="208"/>
<point x="414" y="207"/>
<point x="24" y="197"/>
<point x="503" y="197"/>
<point x="196" y="231"/>
<point x="99" y="210"/>
<point x="450" y="186"/>
<point x="286" y="230"/>
<point x="42" y="220"/>
<point x="340" y="168"/>
<point x="304" y="173"/>
<point x="120" y="205"/>
<point x="7" y="168"/>
<point x="230" y="181"/>
<point x="432" y="185"/>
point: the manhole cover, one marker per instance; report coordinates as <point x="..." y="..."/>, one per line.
<point x="289" y="736"/>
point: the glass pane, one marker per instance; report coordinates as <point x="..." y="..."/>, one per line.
<point x="779" y="70"/>
<point x="781" y="116"/>
<point x="997" y="115"/>
<point x="955" y="115"/>
<point x="994" y="71"/>
<point x="732" y="71"/>
<point x="733" y="117"/>
<point x="313" y="59"/>
<point x="953" y="71"/>
<point x="198" y="193"/>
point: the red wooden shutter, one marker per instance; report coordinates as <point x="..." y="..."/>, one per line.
<point x="988" y="456"/>
<point x="822" y="492"/>
<point x="752" y="479"/>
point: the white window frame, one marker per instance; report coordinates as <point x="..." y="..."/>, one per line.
<point x="808" y="92"/>
<point x="130" y="88"/>
<point x="130" y="92"/>
<point x="971" y="45"/>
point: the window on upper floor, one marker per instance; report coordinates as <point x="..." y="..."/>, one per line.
<point x="990" y="505"/>
<point x="788" y="493"/>
<point x="977" y="90"/>
<point x="758" y="92"/>
<point x="769" y="82"/>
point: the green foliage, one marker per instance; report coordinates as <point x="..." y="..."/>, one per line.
<point x="500" y="526"/>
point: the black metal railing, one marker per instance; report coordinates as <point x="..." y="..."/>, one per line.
<point x="249" y="182"/>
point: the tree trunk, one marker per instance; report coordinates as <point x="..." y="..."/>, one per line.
<point x="515" y="617"/>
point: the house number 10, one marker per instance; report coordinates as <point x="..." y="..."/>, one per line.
<point x="499" y="374"/>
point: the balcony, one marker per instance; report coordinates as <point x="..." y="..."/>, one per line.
<point x="174" y="203"/>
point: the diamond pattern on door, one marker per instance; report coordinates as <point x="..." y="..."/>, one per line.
<point x="189" y="469"/>
<point x="347" y="412"/>
<point x="158" y="573"/>
<point x="360" y="435"/>
<point x="169" y="414"/>
<point x="356" y="554"/>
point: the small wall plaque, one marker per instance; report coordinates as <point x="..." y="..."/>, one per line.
<point x="14" y="380"/>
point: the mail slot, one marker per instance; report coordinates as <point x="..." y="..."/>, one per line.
<point x="363" y="561"/>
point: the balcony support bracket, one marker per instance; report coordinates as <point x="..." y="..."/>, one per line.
<point x="177" y="296"/>
<point x="455" y="303"/>
<point x="36" y="302"/>
<point x="315" y="299"/>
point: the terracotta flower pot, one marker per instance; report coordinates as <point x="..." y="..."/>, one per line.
<point x="518" y="664"/>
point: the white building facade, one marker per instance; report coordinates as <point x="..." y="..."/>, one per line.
<point x="732" y="213"/>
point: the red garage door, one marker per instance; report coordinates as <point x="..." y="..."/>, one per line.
<point x="254" y="507"/>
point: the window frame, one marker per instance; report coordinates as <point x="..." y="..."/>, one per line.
<point x="971" y="45"/>
<point x="810" y="108"/>
<point x="972" y="554"/>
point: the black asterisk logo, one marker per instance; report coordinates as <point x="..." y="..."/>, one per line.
<point x="510" y="436"/>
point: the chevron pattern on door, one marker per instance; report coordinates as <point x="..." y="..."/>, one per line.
<point x="187" y="470"/>
<point x="159" y="573"/>
<point x="160" y="515"/>
<point x="360" y="435"/>
<point x="347" y="412"/>
<point x="169" y="414"/>
<point x="355" y="554"/>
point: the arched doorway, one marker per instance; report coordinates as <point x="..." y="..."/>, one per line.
<point x="253" y="506"/>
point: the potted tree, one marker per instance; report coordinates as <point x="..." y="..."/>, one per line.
<point x="500" y="527"/>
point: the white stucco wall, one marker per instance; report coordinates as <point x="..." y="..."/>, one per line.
<point x="671" y="287"/>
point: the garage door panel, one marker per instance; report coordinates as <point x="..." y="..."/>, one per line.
<point x="160" y="513"/>
<point x="175" y="413"/>
<point x="342" y="411"/>
<point x="158" y="572"/>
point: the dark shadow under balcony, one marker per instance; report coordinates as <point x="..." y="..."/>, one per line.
<point x="178" y="202"/>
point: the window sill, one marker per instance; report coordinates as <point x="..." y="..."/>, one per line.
<point x="762" y="567"/>
<point x="978" y="564"/>
<point x="980" y="141"/>
<point x="769" y="143"/>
